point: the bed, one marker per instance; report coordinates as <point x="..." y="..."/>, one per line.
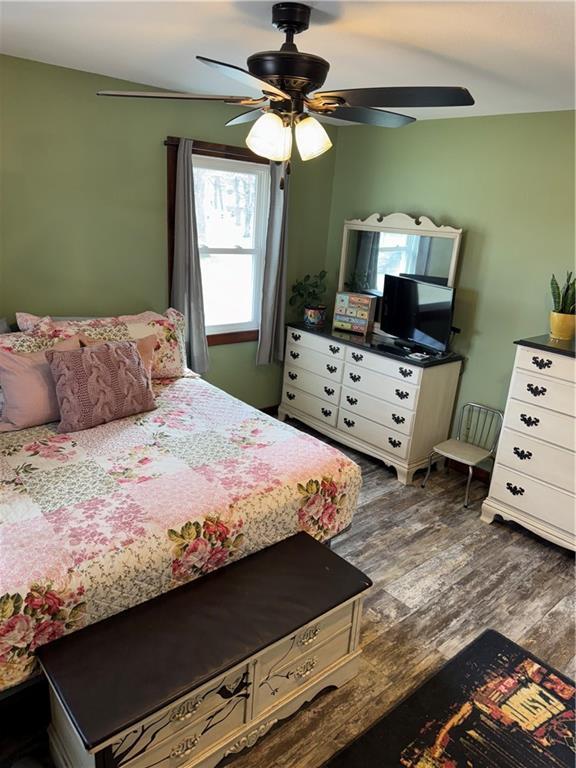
<point x="94" y="522"/>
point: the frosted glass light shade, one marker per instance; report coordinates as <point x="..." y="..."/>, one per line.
<point x="270" y="138"/>
<point x="311" y="138"/>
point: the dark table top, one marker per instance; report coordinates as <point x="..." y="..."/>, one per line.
<point x="113" y="674"/>
<point x="546" y="344"/>
<point x="378" y="346"/>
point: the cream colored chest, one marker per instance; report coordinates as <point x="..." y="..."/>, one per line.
<point x="387" y="407"/>
<point x="533" y="479"/>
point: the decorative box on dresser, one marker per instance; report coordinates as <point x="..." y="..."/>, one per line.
<point x="369" y="395"/>
<point x="533" y="478"/>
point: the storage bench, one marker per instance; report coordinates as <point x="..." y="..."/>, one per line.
<point x="205" y="670"/>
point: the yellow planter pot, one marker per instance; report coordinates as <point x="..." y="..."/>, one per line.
<point x="561" y="326"/>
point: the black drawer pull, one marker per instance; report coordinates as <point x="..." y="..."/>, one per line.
<point x="349" y="423"/>
<point x="290" y="395"/>
<point x="394" y="443"/>
<point x="405" y="372"/>
<point x="401" y="394"/>
<point x="294" y="355"/>
<point x="334" y="349"/>
<point x="329" y="391"/>
<point x="326" y="412"/>
<point x="296" y="336"/>
<point x="292" y="375"/>
<point x="522" y="454"/>
<point x="535" y="390"/>
<point x="529" y="421"/>
<point x="352" y="400"/>
<point x="355" y="376"/>
<point x="357" y="356"/>
<point x="541" y="362"/>
<point x="515" y="490"/>
<point x="398" y="419"/>
<point x="331" y="368"/>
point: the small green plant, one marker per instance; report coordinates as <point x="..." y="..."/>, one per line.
<point x="309" y="291"/>
<point x="563" y="299"/>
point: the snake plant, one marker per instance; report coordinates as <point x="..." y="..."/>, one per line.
<point x="563" y="299"/>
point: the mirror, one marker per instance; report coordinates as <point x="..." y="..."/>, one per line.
<point x="397" y="245"/>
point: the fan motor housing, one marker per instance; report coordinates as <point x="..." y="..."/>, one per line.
<point x="291" y="71"/>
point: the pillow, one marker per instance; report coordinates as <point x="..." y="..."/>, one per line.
<point x="99" y="383"/>
<point x="28" y="388"/>
<point x="145" y="348"/>
<point x="26" y="342"/>
<point x="169" y="359"/>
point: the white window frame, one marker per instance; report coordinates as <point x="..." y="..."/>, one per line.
<point x="262" y="173"/>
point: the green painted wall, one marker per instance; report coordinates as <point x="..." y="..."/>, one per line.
<point x="83" y="204"/>
<point x="83" y="210"/>
<point x="508" y="181"/>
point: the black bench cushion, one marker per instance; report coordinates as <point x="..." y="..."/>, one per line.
<point x="114" y="673"/>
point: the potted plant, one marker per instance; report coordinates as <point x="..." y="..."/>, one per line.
<point x="307" y="294"/>
<point x="562" y="317"/>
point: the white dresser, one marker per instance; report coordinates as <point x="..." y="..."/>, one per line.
<point x="381" y="404"/>
<point x="533" y="479"/>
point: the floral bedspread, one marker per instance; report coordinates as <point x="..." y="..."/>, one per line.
<point x="94" y="522"/>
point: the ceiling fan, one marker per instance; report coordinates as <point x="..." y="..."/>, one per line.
<point x="289" y="82"/>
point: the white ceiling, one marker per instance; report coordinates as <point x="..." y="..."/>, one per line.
<point x="513" y="56"/>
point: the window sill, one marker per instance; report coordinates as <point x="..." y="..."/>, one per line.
<point x="232" y="337"/>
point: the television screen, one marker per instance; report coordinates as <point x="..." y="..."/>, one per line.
<point x="418" y="312"/>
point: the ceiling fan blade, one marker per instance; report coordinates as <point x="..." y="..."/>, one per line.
<point x="369" y="116"/>
<point x="244" y="77"/>
<point x="247" y="100"/>
<point x="245" y="117"/>
<point x="405" y="97"/>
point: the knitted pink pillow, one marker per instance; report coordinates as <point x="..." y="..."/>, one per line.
<point x="98" y="384"/>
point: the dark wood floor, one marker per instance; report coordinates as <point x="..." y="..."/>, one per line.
<point x="441" y="577"/>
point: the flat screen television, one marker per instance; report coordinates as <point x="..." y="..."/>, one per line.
<point x="417" y="312"/>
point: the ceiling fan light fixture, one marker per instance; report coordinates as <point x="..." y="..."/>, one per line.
<point x="311" y="138"/>
<point x="270" y="137"/>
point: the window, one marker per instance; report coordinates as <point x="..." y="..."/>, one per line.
<point x="232" y="198"/>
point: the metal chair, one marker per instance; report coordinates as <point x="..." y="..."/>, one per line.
<point x="478" y="432"/>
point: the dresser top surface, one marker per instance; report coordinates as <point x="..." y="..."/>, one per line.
<point x="119" y="671"/>
<point x="547" y="344"/>
<point x="376" y="345"/>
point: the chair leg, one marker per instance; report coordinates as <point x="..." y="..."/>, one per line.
<point x="428" y="470"/>
<point x="470" y="472"/>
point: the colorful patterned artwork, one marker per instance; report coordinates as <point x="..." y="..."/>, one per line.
<point x="493" y="706"/>
<point x="96" y="521"/>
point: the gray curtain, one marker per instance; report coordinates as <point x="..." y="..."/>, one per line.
<point x="186" y="277"/>
<point x="366" y="270"/>
<point x="271" y="342"/>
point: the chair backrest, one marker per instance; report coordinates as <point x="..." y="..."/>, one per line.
<point x="480" y="425"/>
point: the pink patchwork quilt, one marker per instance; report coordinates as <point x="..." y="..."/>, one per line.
<point x="94" y="522"/>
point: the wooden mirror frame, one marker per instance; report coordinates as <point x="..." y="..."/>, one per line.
<point x="403" y="223"/>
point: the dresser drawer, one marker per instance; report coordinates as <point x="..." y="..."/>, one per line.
<point x="183" y="747"/>
<point x="277" y="682"/>
<point x="390" y="367"/>
<point x="534" y="360"/>
<point x="556" y="428"/>
<point x="537" y="499"/>
<point x="180" y="715"/>
<point x="320" y="344"/>
<point x="375" y="434"/>
<point x="311" y="405"/>
<point x="306" y="639"/>
<point x="537" y="459"/>
<point x="314" y="362"/>
<point x="311" y="383"/>
<point x="378" y="385"/>
<point x="543" y="391"/>
<point x="377" y="410"/>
